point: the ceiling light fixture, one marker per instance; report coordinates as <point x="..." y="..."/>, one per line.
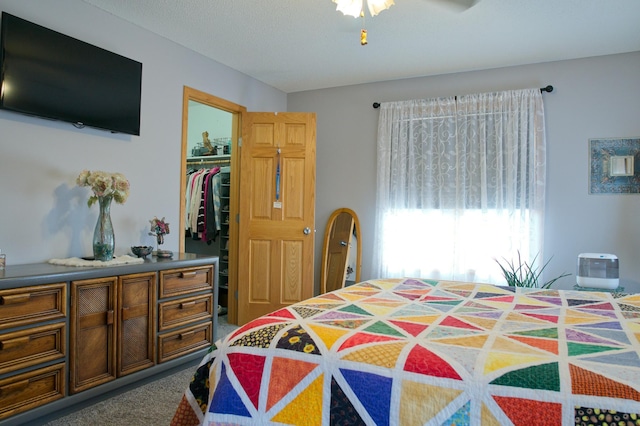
<point x="355" y="8"/>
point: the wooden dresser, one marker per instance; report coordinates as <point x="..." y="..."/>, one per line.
<point x="69" y="335"/>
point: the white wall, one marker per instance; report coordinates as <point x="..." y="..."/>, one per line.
<point x="203" y="118"/>
<point x="43" y="214"/>
<point x="593" y="98"/>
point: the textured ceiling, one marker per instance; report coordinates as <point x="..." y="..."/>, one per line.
<point x="297" y="45"/>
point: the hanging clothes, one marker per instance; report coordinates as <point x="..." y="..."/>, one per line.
<point x="211" y="219"/>
<point x="202" y="204"/>
<point x="195" y="201"/>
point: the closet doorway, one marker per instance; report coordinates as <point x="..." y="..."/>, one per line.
<point x="210" y="132"/>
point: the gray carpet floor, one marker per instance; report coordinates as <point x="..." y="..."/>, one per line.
<point x="151" y="404"/>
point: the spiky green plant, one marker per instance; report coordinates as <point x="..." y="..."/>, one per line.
<point x="523" y="274"/>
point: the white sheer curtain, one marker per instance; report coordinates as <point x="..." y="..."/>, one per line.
<point x="460" y="184"/>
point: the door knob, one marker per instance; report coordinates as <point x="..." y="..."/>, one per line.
<point x="306" y="231"/>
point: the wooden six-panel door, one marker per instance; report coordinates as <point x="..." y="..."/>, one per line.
<point x="277" y="212"/>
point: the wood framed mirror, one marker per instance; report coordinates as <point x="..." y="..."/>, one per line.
<point x="342" y="250"/>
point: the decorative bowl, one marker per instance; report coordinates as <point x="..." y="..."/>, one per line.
<point x="142" y="251"/>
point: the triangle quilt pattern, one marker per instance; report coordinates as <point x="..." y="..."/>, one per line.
<point x="412" y="351"/>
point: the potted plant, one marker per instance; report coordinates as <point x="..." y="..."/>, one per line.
<point x="523" y="274"/>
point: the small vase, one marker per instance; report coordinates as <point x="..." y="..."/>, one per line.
<point x="162" y="253"/>
<point x="104" y="240"/>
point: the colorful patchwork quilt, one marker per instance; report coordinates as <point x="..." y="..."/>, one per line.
<point x="423" y="352"/>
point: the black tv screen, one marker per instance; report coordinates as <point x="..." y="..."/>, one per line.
<point x="48" y="74"/>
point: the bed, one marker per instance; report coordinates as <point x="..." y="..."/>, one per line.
<point x="415" y="352"/>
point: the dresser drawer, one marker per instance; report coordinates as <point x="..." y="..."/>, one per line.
<point x="32" y="346"/>
<point x="27" y="305"/>
<point x="30" y="390"/>
<point x="180" y="312"/>
<point x="184" y="341"/>
<point x="174" y="282"/>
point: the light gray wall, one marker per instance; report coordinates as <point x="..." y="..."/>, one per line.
<point x="593" y="98"/>
<point x="204" y="118"/>
<point x="43" y="214"/>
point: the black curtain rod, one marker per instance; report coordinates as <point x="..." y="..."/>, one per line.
<point x="548" y="89"/>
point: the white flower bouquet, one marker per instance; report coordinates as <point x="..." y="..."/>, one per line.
<point x="104" y="184"/>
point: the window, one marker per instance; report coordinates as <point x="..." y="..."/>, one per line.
<point x="460" y="184"/>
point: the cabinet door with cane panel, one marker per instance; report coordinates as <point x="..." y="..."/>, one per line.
<point x="112" y="321"/>
<point x="136" y="322"/>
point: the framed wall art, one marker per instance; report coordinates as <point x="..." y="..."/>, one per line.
<point x="614" y="166"/>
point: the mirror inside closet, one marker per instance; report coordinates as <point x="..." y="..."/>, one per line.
<point x="208" y="188"/>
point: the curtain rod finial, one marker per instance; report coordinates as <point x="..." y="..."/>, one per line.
<point x="376" y="104"/>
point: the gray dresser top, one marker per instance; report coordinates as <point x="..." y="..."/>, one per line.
<point x="42" y="273"/>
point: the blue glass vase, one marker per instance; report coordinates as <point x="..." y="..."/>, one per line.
<point x="104" y="240"/>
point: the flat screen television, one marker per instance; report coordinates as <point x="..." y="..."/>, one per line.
<point x="48" y="74"/>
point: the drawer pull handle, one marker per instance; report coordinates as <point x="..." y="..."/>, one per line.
<point x="14" y="387"/>
<point x="14" y="299"/>
<point x="184" y="305"/>
<point x="188" y="274"/>
<point x="12" y="343"/>
<point x="185" y="335"/>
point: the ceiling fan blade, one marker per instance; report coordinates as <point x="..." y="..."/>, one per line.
<point x="458" y="5"/>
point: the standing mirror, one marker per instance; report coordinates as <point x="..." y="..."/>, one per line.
<point x="342" y="250"/>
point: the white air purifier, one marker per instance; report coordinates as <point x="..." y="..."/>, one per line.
<point x="598" y="270"/>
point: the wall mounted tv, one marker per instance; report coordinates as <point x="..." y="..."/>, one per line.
<point x="48" y="74"/>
